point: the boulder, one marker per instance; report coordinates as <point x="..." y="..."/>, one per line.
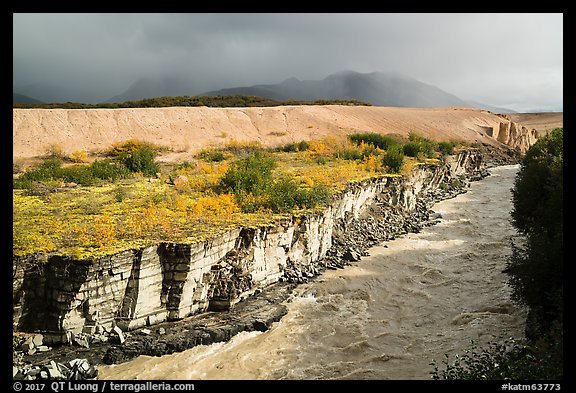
<point x="38" y="340"/>
<point x="80" y="369"/>
<point x="81" y="340"/>
<point x="351" y="255"/>
<point x="27" y="346"/>
<point x="88" y="329"/>
<point x="119" y="334"/>
<point x="53" y="371"/>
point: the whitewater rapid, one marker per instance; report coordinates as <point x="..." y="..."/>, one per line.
<point x="412" y="300"/>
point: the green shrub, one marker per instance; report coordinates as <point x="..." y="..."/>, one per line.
<point x="49" y="170"/>
<point x="243" y="148"/>
<point x="79" y="174"/>
<point x="184" y="165"/>
<point x="411" y="149"/>
<point x="320" y="160"/>
<point x="217" y="101"/>
<point x="358" y="153"/>
<point x="446" y="148"/>
<point x="349" y="154"/>
<point x="479" y="363"/>
<point x="22" y="183"/>
<point x="375" y="139"/>
<point x="393" y="159"/>
<point x="419" y="144"/>
<point x="286" y="195"/>
<point x="295" y="147"/>
<point x="252" y="174"/>
<point x="212" y="155"/>
<point x="108" y="170"/>
<point x="141" y="160"/>
<point x="251" y="181"/>
<point x="119" y="194"/>
<point x="370" y="150"/>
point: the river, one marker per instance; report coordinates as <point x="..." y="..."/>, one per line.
<point x="388" y="316"/>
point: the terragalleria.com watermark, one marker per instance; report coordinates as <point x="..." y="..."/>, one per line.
<point x="101" y="387"/>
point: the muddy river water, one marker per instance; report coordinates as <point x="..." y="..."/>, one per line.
<point x="386" y="317"/>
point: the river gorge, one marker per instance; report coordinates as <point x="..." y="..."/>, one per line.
<point x="410" y="301"/>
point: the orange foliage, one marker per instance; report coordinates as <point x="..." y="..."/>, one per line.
<point x="203" y="176"/>
<point x="222" y="205"/>
<point x="372" y="164"/>
<point x="104" y="230"/>
<point x="317" y="147"/>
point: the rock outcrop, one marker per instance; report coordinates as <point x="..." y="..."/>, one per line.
<point x="514" y="135"/>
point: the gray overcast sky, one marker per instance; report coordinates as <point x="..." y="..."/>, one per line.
<point x="508" y="60"/>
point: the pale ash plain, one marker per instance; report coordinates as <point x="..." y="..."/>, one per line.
<point x="185" y="130"/>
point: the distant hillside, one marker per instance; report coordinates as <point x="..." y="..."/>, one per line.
<point x="47" y="92"/>
<point x="376" y="88"/>
<point x="24" y="99"/>
<point x="493" y="109"/>
<point x="154" y="87"/>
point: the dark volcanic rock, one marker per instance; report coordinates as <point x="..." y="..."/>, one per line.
<point x="256" y="313"/>
<point x="351" y="255"/>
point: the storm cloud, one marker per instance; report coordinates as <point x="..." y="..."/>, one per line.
<point x="508" y="60"/>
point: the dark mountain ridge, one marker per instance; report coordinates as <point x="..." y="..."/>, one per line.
<point x="21" y="98"/>
<point x="376" y="88"/>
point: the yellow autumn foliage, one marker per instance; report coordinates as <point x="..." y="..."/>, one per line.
<point x="89" y="221"/>
<point x="214" y="206"/>
<point x="78" y="156"/>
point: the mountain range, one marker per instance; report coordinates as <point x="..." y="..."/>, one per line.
<point x="377" y="88"/>
<point x="24" y="99"/>
<point x="154" y="87"/>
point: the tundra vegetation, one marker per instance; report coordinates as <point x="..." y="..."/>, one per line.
<point x="125" y="199"/>
<point x="535" y="271"/>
